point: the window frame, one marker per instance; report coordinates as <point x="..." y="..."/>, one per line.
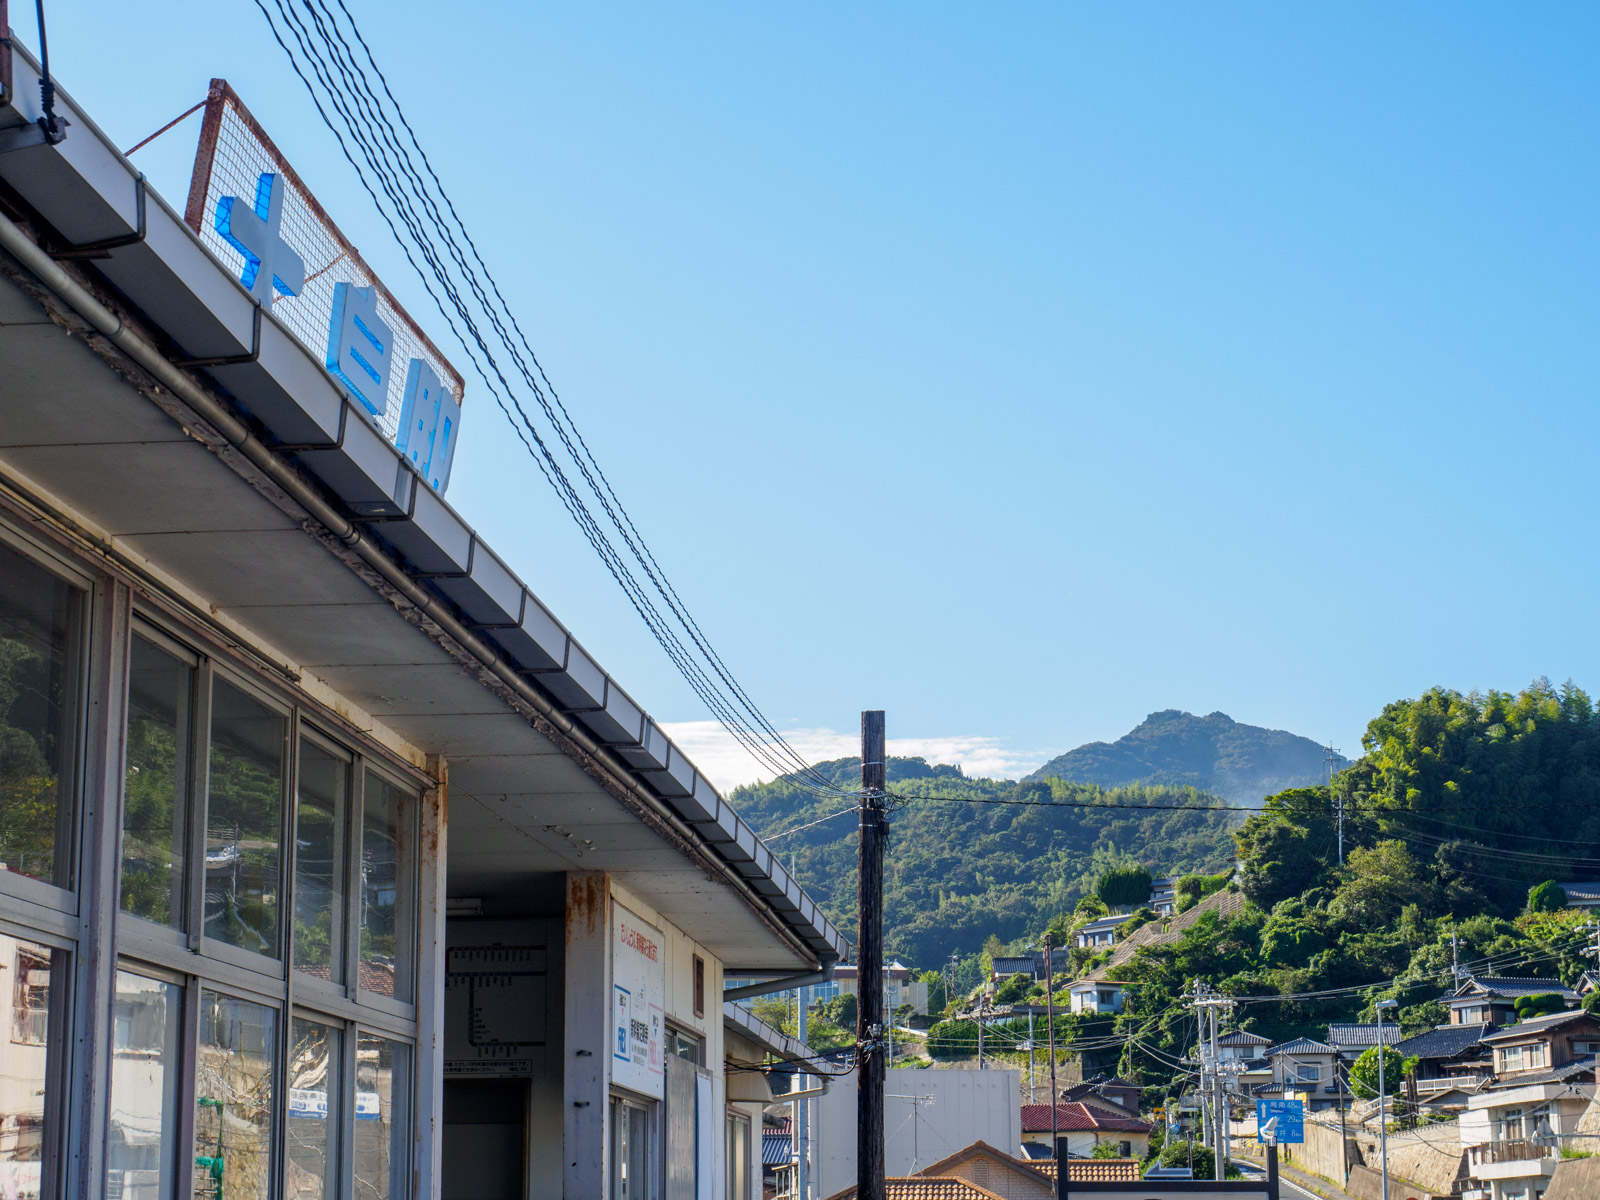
<point x="14" y="885"/>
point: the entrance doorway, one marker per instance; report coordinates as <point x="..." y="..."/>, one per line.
<point x="485" y="1139"/>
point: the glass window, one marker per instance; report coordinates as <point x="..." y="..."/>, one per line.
<point x="633" y="1175"/>
<point x="388" y="850"/>
<point x="244" y="815"/>
<point x="316" y="1068"/>
<point x="234" y="1102"/>
<point x="738" y="1157"/>
<point x="155" y="815"/>
<point x="40" y="617"/>
<point x="319" y="870"/>
<point x="141" y="1152"/>
<point x="27" y="1098"/>
<point x="383" y="1126"/>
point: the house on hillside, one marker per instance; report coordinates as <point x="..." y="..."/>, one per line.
<point x="1097" y="996"/>
<point x="1306" y="1068"/>
<point x="1493" y="998"/>
<point x="1351" y="1041"/>
<point x="1006" y="965"/>
<point x="1164" y="895"/>
<point x="1584" y="896"/>
<point x="1116" y="1095"/>
<point x="1101" y="933"/>
<point x="1515" y="1130"/>
<point x="1449" y="1056"/>
<point x="1085" y="1127"/>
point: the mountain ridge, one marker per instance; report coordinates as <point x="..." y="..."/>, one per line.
<point x="1214" y="753"/>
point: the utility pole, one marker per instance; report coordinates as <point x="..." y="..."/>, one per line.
<point x="1050" y="1020"/>
<point x="869" y="959"/>
<point x="1383" y="1100"/>
<point x="1208" y="1010"/>
<point x="799" y="1118"/>
<point x="1033" y="1092"/>
<point x="1455" y="959"/>
<point x="983" y="1006"/>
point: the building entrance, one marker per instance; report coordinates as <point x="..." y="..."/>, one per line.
<point x="485" y="1139"/>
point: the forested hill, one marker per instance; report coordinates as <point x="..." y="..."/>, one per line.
<point x="1214" y="753"/>
<point x="999" y="858"/>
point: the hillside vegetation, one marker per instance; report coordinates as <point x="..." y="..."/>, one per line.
<point x="1213" y="753"/>
<point x="998" y="858"/>
<point x="1461" y="807"/>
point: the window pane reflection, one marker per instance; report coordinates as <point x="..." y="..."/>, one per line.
<point x="234" y="1107"/>
<point x="141" y="1152"/>
<point x="243" y="820"/>
<point x="319" y="904"/>
<point x="315" y="1070"/>
<point x="159" y="687"/>
<point x="383" y="1126"/>
<point x="39" y="615"/>
<point x="29" y="996"/>
<point x="387" y="924"/>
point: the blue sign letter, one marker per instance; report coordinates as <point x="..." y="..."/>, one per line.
<point x="268" y="261"/>
<point x="360" y="346"/>
<point x="429" y="416"/>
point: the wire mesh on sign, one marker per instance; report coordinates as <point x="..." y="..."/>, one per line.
<point x="234" y="153"/>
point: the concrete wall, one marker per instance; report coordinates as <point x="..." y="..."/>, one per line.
<point x="966" y="1107"/>
<point x="1430" y="1157"/>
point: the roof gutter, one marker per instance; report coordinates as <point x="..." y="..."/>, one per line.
<point x="238" y="435"/>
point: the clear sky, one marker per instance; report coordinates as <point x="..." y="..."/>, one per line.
<point x="1020" y="369"/>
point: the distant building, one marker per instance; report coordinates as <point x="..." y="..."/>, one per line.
<point x="1164" y="896"/>
<point x="1582" y="895"/>
<point x="1493" y="998"/>
<point x="1351" y="1041"/>
<point x="1449" y="1056"/>
<point x="1097" y="996"/>
<point x="1305" y="1068"/>
<point x="1086" y="1127"/>
<point x="1102" y="932"/>
<point x="1514" y="1132"/>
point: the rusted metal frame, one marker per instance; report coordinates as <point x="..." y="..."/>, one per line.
<point x="194" y="212"/>
<point x="185" y="115"/>
<point x="223" y="95"/>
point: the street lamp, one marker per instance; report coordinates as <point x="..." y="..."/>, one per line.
<point x="1383" y="1096"/>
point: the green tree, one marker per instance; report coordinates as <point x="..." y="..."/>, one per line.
<point x="1548" y="896"/>
<point x="1123" y="887"/>
<point x="1364" y="1072"/>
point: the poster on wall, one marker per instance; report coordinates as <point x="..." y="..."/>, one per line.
<point x="638" y="988"/>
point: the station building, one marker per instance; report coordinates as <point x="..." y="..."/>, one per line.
<point x="331" y="865"/>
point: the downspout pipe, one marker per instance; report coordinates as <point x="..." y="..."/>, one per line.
<point x="787" y="983"/>
<point x="261" y="456"/>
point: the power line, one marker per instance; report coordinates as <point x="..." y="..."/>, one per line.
<point x="350" y="94"/>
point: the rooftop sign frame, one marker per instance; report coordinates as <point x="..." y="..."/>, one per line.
<point x="234" y="151"/>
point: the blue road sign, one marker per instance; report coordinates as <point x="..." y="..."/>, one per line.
<point x="1290" y="1118"/>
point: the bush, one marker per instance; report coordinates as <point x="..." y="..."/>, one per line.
<point x="1106" y="1150"/>
<point x="1538" y="1004"/>
<point x="1548" y="896"/>
<point x="1190" y="1154"/>
<point x="1013" y="989"/>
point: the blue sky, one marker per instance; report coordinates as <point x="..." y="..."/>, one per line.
<point x="1019" y="370"/>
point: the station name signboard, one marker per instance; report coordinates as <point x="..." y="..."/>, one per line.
<point x="638" y="986"/>
<point x="252" y="210"/>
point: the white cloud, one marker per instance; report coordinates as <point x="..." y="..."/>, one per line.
<point x="727" y="764"/>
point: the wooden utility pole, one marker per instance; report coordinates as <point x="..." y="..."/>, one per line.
<point x="1050" y="1023"/>
<point x="869" y="960"/>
